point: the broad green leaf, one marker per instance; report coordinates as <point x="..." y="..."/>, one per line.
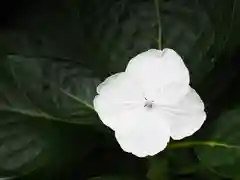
<point x="34" y="93"/>
<point x="224" y="160"/>
<point x="22" y="145"/>
<point x="50" y="88"/>
<point x="35" y="145"/>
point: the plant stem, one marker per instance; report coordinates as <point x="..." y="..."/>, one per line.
<point x="159" y="40"/>
<point x="201" y="143"/>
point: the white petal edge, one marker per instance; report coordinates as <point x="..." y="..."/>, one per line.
<point x="148" y="136"/>
<point x="187" y="116"/>
<point x="161" y="67"/>
<point x="107" y="83"/>
<point x="118" y="94"/>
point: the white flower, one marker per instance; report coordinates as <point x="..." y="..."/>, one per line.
<point x="150" y="102"/>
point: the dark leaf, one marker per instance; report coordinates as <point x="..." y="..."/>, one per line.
<point x="33" y="91"/>
<point x="53" y="89"/>
<point x="225" y="158"/>
<point x="22" y="144"/>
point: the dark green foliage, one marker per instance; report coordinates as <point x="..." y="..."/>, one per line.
<point x="53" y="54"/>
<point x="223" y="160"/>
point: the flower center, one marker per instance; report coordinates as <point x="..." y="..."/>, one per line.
<point x="148" y="104"/>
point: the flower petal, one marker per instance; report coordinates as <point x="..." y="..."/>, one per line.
<point x="117" y="94"/>
<point x="158" y="71"/>
<point x="165" y="66"/>
<point x="107" y="83"/>
<point x="148" y="136"/>
<point x="187" y="116"/>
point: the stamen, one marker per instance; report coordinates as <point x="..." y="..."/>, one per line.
<point x="148" y="104"/>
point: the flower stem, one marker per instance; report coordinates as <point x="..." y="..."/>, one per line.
<point x="159" y="40"/>
<point x="187" y="144"/>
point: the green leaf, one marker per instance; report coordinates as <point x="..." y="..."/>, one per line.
<point x="34" y="93"/>
<point x="29" y="145"/>
<point x="223" y="160"/>
<point x="49" y="88"/>
<point x="22" y="145"/>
